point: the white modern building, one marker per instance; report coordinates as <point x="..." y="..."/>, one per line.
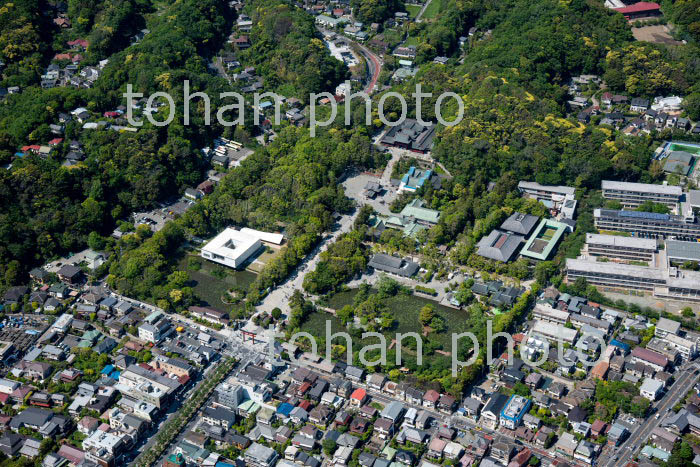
<point x="631" y="195"/>
<point x="63" y="323"/>
<point x="554" y="332"/>
<point x="686" y="347"/>
<point x="619" y="247"/>
<point x="651" y="389"/>
<point x="7" y="386"/>
<point x="233" y="247"/>
<point x="156" y="331"/>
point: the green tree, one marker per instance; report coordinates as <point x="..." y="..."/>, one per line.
<point x="426" y="315"/>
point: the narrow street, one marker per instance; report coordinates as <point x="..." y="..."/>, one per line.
<point x="374" y="63"/>
<point x="638" y="438"/>
<point x="422" y="10"/>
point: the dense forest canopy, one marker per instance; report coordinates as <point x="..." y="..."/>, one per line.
<point x="287" y="52"/>
<point x="48" y="209"/>
<point x="512" y="80"/>
<point x="375" y="11"/>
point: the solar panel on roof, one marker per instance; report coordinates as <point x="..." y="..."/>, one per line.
<point x="645" y="215"/>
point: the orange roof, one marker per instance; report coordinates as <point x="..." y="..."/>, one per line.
<point x="600" y="370"/>
<point x="358" y="394"/>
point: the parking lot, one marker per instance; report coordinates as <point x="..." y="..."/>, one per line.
<point x="355" y="187"/>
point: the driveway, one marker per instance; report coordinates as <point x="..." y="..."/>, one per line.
<point x="279" y="297"/>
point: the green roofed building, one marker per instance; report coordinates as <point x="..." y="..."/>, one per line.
<point x="420" y="214"/>
<point x="412" y="219"/>
<point x="175" y="460"/>
<point x="544" y="239"/>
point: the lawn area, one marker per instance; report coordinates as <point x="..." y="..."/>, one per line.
<point x="404" y="308"/>
<point x="411" y="40"/>
<point x="258" y="263"/>
<point x="210" y="281"/>
<point x="413" y="10"/>
<point x="432" y="10"/>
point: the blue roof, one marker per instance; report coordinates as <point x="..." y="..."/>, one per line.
<point x="19" y="154"/>
<point x="523" y="410"/>
<point x="285" y="408"/>
<point x="115" y="375"/>
<point x="619" y="344"/>
<point x="107" y="369"/>
<point x="223" y="464"/>
<point x="645" y="215"/>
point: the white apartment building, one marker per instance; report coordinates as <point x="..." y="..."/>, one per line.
<point x="631" y="195"/>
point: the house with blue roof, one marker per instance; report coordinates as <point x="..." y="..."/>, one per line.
<point x="285" y="409"/>
<point x="415" y="178"/>
<point x="514" y="411"/>
<point x="620" y="345"/>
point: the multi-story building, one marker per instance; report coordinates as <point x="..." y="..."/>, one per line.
<point x="154" y="332"/>
<point x="260" y="456"/>
<point x="664" y="348"/>
<point x="102" y="448"/>
<point x="174" y="366"/>
<point x="545" y="312"/>
<point x="580" y="320"/>
<point x="230" y="396"/>
<point x="666" y="326"/>
<point x="647" y="224"/>
<point x="623" y="248"/>
<point x="561" y="198"/>
<point x="651" y="389"/>
<point x="650" y="358"/>
<point x="678" y="252"/>
<point x="512" y="414"/>
<point x="492" y="410"/>
<point x="670" y="283"/>
<point x="686" y="347"/>
<point x="554" y="332"/>
<point x="141" y="384"/>
<point x="631" y="195"/>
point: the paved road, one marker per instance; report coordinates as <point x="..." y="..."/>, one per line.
<point x="279" y="297"/>
<point x="219" y="67"/>
<point x="678" y="390"/>
<point x="172" y="409"/>
<point x="374" y="63"/>
<point x="457" y="421"/>
<point x="422" y="10"/>
<point x="396" y="154"/>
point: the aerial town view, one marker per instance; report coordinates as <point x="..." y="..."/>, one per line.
<point x="349" y="233"/>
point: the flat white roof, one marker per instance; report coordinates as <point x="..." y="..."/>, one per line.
<point x="615" y="268"/>
<point x="621" y="241"/>
<point x="547" y="310"/>
<point x="565" y="190"/>
<point x="651" y="385"/>
<point x="552" y="330"/>
<point x="231" y="243"/>
<point x="642" y="187"/>
<point x="264" y="236"/>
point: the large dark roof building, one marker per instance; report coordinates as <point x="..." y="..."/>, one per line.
<point x="411" y="135"/>
<point x="393" y="265"/>
<point x="499" y="245"/>
<point x="520" y="223"/>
